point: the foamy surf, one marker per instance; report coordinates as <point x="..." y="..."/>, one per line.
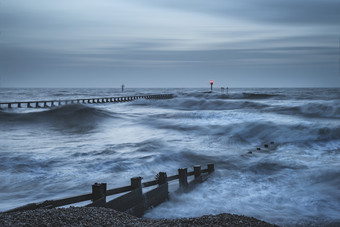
<point x="59" y="152"/>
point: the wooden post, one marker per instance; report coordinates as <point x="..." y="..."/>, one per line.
<point x="59" y="103"/>
<point x="19" y="104"/>
<point x="183" y="177"/>
<point x="211" y="168"/>
<point x="9" y="105"/>
<point x="45" y="105"/>
<point x="136" y="182"/>
<point x="29" y="105"/>
<point x="132" y="202"/>
<point x="162" y="178"/>
<point x="37" y="105"/>
<point x="98" y="191"/>
<point x="197" y="171"/>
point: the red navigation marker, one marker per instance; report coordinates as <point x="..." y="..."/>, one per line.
<point x="211" y="82"/>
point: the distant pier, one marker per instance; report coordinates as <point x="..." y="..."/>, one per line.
<point x="53" y="103"/>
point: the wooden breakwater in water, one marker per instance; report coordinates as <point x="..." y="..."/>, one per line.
<point x="134" y="201"/>
<point x="53" y="103"/>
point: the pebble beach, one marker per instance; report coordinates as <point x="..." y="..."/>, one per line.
<point x="86" y="216"/>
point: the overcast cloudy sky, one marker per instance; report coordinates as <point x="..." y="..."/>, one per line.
<point x="169" y="43"/>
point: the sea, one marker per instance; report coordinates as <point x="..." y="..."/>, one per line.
<point x="52" y="153"/>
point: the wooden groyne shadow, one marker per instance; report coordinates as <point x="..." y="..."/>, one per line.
<point x="134" y="201"/>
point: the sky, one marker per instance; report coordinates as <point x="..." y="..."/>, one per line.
<point x="174" y="43"/>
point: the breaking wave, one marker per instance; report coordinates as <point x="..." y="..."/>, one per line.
<point x="200" y="104"/>
<point x="74" y="116"/>
<point x="62" y="151"/>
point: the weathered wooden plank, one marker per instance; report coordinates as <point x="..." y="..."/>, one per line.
<point x="204" y="177"/>
<point x="149" y="183"/>
<point x="71" y="200"/>
<point x="195" y="181"/>
<point x="191" y="185"/>
<point x="174" y="177"/>
<point x="53" y="203"/>
<point x="204" y="171"/>
<point x="98" y="203"/>
<point x="118" y="190"/>
<point x="126" y="201"/>
<point x="156" y="196"/>
<point x="192" y="173"/>
<point x="137" y="210"/>
<point x="155" y="182"/>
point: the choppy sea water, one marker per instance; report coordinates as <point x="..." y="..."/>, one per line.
<point x="60" y="152"/>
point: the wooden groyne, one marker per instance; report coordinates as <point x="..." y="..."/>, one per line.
<point x="134" y="201"/>
<point x="53" y="103"/>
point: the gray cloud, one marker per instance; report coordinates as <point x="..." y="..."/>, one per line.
<point x="157" y="43"/>
<point x="290" y="11"/>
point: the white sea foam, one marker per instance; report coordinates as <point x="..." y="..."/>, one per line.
<point x="54" y="153"/>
